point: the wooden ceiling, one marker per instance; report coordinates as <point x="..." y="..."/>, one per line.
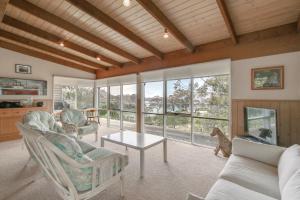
<point x="119" y="34"/>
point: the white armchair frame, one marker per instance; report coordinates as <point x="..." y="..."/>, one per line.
<point x="46" y="154"/>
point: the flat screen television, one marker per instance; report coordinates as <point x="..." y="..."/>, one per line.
<point x="261" y="124"/>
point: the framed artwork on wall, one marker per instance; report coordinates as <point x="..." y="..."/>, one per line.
<point x="267" y="78"/>
<point x="23" y="69"/>
<point x="16" y="86"/>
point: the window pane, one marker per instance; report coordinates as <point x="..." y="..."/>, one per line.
<point x="179" y="128"/>
<point x="114" y="119"/>
<point x="203" y="127"/>
<point x="211" y="97"/>
<point x="153" y="124"/>
<point x="129" y="97"/>
<point x="129" y="121"/>
<point x="179" y="96"/>
<point x="103" y="117"/>
<point x="115" y="97"/>
<point x="102" y="101"/>
<point x="85" y="97"/>
<point x="65" y="97"/>
<point x="153" y="99"/>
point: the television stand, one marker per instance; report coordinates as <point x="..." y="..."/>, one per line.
<point x="253" y="139"/>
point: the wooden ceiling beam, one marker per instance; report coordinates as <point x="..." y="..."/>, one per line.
<point x="298" y="24"/>
<point x="43" y="56"/>
<point x="150" y="7"/>
<point x="49" y="49"/>
<point x="55" y="39"/>
<point x="53" y="19"/>
<point x="3" y="6"/>
<point x="227" y="19"/>
<point x="113" y="24"/>
<point x="272" y="41"/>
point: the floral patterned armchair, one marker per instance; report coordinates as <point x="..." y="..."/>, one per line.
<point x="74" y="121"/>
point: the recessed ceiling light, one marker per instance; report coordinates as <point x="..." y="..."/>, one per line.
<point x="98" y="58"/>
<point x="126" y="3"/>
<point x="61" y="43"/>
<point x="166" y="34"/>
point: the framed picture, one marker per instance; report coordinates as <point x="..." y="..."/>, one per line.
<point x="23" y="69"/>
<point x="267" y="78"/>
<point x="16" y="86"/>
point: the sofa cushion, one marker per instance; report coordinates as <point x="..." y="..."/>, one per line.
<point x="291" y="190"/>
<point x="289" y="163"/>
<point x="251" y="174"/>
<point x="226" y="190"/>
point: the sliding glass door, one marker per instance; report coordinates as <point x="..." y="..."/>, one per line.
<point x="117" y="106"/>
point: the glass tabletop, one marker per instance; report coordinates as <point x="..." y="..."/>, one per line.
<point x="134" y="139"/>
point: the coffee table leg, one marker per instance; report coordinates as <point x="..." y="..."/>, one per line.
<point x="142" y="163"/>
<point x="102" y="142"/>
<point x="165" y="151"/>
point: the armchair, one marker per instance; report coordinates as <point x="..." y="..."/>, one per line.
<point x="75" y="121"/>
<point x="77" y="173"/>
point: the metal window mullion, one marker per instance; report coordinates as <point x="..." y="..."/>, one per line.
<point x="121" y="107"/>
<point x="108" y="106"/>
<point x="164" y="107"/>
<point x="192" y="109"/>
<point x="142" y="106"/>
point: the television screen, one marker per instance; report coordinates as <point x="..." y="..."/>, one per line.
<point x="261" y="123"/>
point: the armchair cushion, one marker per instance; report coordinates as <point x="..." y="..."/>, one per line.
<point x="85" y="147"/>
<point x="66" y="144"/>
<point x="72" y="116"/>
<point x="88" y="128"/>
<point x="84" y="153"/>
<point x="41" y="121"/>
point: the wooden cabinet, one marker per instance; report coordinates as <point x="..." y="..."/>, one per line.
<point x="10" y="117"/>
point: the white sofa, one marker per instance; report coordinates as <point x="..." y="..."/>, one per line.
<point x="257" y="171"/>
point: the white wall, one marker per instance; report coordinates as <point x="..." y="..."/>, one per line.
<point x="41" y="70"/>
<point x="241" y="77"/>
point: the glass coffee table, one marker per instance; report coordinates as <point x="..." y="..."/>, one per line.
<point x="138" y="141"/>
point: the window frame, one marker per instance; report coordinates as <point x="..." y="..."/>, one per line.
<point x="165" y="113"/>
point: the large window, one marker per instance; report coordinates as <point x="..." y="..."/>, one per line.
<point x="154" y="107"/>
<point x="73" y="93"/>
<point x="179" y="96"/>
<point x="129" y="107"/>
<point x="103" y="104"/>
<point x="115" y="98"/>
<point x="85" y="97"/>
<point x="210" y="107"/>
<point x="185" y="109"/>
<point x="189" y="108"/>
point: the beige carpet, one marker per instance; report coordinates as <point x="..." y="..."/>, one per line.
<point x="189" y="169"/>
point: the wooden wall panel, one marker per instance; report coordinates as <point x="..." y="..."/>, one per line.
<point x="288" y="118"/>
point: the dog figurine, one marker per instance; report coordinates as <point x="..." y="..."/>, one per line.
<point x="224" y="144"/>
